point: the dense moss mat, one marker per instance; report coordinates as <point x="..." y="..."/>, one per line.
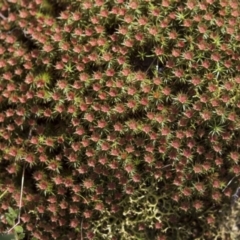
<point x="124" y="116"/>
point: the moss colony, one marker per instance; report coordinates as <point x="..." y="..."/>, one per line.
<point x="124" y="115"/>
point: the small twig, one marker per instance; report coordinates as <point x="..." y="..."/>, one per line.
<point x="20" y="202"/>
<point x="82" y="197"/>
<point x="230" y="182"/>
<point x="30" y="133"/>
<point x="21" y="192"/>
<point x="151" y="65"/>
<point x="3" y="17"/>
<point x="4" y="193"/>
<point x="166" y="166"/>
